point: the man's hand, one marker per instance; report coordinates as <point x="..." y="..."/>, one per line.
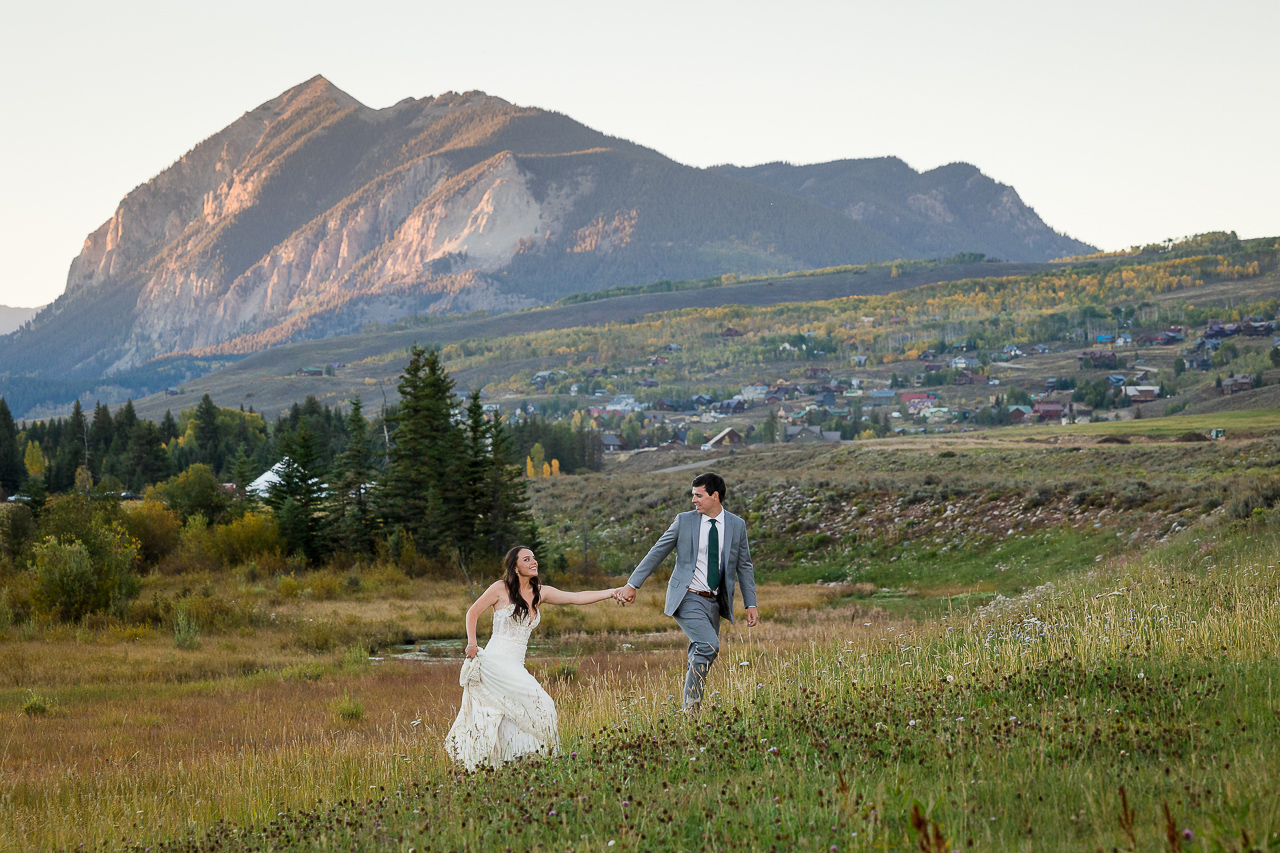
<point x="753" y="617"/>
<point x="625" y="594"/>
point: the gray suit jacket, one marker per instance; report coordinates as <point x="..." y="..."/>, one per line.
<point x="735" y="562"/>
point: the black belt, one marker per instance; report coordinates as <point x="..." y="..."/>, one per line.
<point x="703" y="593"/>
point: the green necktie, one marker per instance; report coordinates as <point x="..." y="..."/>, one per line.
<point x="713" y="557"/>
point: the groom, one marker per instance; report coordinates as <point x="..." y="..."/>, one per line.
<point x="712" y="556"/>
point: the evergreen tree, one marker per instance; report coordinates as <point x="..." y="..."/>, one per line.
<point x="11" y="472"/>
<point x="298" y="496"/>
<point x="504" y="513"/>
<point x="352" y="522"/>
<point x="420" y="488"/>
<point x="101" y="436"/>
<point x="205" y="423"/>
<point x="143" y="461"/>
<point x="242" y="473"/>
<point x="168" y="426"/>
<point x="71" y="451"/>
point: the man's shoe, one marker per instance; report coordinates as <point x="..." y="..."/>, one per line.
<point x="691" y="710"/>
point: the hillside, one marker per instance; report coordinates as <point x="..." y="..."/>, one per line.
<point x="12" y="318"/>
<point x="313" y="215"/>
<point x="928" y="213"/>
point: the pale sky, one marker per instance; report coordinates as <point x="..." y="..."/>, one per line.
<point x="1119" y="122"/>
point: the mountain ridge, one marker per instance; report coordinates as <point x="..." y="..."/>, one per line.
<point x="313" y="214"/>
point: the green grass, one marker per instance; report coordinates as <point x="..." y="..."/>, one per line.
<point x="1252" y="422"/>
<point x="1133" y="709"/>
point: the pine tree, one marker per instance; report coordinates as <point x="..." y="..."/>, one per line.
<point x="297" y="498"/>
<point x="505" y="519"/>
<point x="420" y="491"/>
<point x="101" y="436"/>
<point x="11" y="473"/>
<point x="71" y="451"/>
<point x="351" y="517"/>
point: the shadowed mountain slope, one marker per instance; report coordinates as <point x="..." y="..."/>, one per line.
<point x="928" y="214"/>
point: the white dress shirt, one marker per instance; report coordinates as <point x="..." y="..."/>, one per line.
<point x="699" y="583"/>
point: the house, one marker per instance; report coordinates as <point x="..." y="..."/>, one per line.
<point x="1124" y="339"/>
<point x="999" y="357"/>
<point x="309" y="371"/>
<point x="730" y="332"/>
<point x="927" y="355"/>
<point x="817" y="373"/>
<point x="826" y="398"/>
<point x="1047" y="410"/>
<point x="573" y="390"/>
<point x="1197" y="362"/>
<point x="596" y="371"/>
<point x="1040" y="349"/>
<point x="1105" y="339"/>
<point x="1256" y="328"/>
<point x="263" y="484"/>
<point x="961" y="362"/>
<point x="732" y="406"/>
<point x="1079" y="413"/>
<point x="1236" y="383"/>
<point x="727" y="437"/>
<point x="966" y="377"/>
<point x="657" y="360"/>
<point x="755" y="391"/>
<point x="880" y="396"/>
<point x="648" y="383"/>
<point x="701" y="400"/>
<point x="171" y="392"/>
<point x="624" y="403"/>
<point x="859" y="361"/>
<point x="673" y="348"/>
<point x="1012" y="351"/>
<point x="1103" y="359"/>
<point x="774" y="398"/>
<point x="810" y="433"/>
<point x="1017" y="414"/>
<point x="1141" y="393"/>
<point x="611" y="442"/>
<point x="1117" y="379"/>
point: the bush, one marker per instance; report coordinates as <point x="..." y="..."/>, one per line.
<point x="71" y="583"/>
<point x="196" y="551"/>
<point x="17" y="531"/>
<point x="249" y="537"/>
<point x="36" y="705"/>
<point x="186" y="633"/>
<point x="349" y="710"/>
<point x="196" y="491"/>
<point x="157" y="529"/>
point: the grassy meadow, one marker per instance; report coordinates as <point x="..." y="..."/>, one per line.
<point x="958" y="652"/>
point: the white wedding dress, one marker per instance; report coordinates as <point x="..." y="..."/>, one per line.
<point x="505" y="712"/>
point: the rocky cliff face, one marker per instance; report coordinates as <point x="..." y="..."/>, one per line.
<point x="314" y="214"/>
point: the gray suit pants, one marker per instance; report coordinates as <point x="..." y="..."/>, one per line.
<point x="700" y="619"/>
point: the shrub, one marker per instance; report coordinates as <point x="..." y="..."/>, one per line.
<point x="349" y="710"/>
<point x="17" y="531"/>
<point x="36" y="705"/>
<point x="248" y="537"/>
<point x="324" y="586"/>
<point x="186" y="633"/>
<point x="196" y="491"/>
<point x="156" y="528"/>
<point x="196" y="551"/>
<point x="71" y="583"/>
<point x="6" y="610"/>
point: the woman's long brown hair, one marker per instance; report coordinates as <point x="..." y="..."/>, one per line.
<point x="512" y="581"/>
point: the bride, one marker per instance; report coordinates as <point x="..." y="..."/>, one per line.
<point x="505" y="713"/>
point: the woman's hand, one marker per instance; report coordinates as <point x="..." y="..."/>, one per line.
<point x="473" y="650"/>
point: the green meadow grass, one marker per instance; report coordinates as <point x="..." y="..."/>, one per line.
<point x="1252" y="421"/>
<point x="1134" y="707"/>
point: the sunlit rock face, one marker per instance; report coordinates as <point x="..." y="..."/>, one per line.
<point x="313" y="214"/>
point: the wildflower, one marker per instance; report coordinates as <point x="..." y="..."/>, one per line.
<point x="1187" y="835"/>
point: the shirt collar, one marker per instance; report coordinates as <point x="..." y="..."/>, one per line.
<point x="718" y="519"/>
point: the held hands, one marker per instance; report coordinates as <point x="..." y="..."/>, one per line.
<point x="625" y="595"/>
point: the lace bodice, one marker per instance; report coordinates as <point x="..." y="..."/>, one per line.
<point x="511" y="633"/>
